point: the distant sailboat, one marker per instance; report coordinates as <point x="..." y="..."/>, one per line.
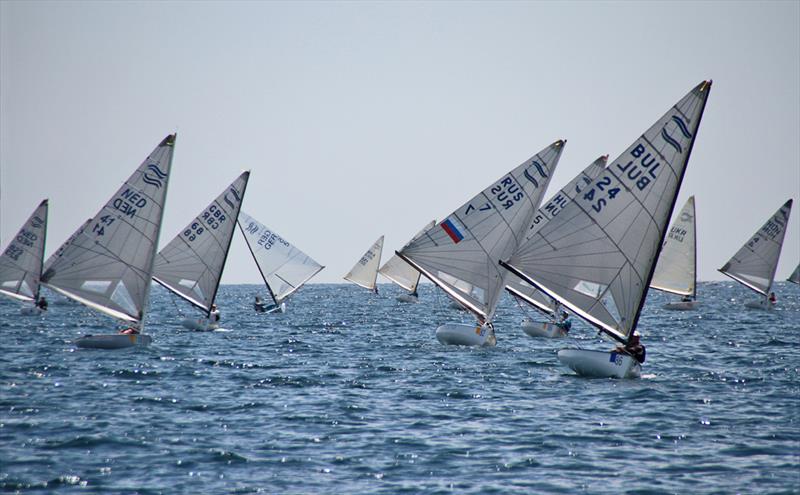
<point x="464" y="249"/>
<point x="109" y="265"/>
<point x="598" y="255"/>
<point x="21" y="261"/>
<point x="365" y="271"/>
<point x="795" y="276"/>
<point x="755" y="263"/>
<point x="403" y="274"/>
<point x="191" y="265"/>
<point x="283" y="267"/>
<point x="554" y="327"/>
<point x="676" y="271"/>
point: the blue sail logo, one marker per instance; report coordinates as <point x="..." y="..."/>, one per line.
<point x="36" y="222"/>
<point x="672" y="141"/>
<point x="157" y="177"/>
<point x="236" y="195"/>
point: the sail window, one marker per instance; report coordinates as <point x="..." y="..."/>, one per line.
<point x="122" y="297"/>
<point x="98" y="286"/>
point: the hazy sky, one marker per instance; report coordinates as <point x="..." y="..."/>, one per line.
<point x="365" y="118"/>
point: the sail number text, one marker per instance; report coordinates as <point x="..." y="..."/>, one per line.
<point x="507" y="192"/>
<point x="26" y="238"/>
<point x="639" y="172"/>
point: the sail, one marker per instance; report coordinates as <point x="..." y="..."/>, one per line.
<point x="464" y="249"/>
<point x="191" y="264"/>
<point x="284" y="267"/>
<point x="795" y="276"/>
<point x="597" y="256"/>
<point x="109" y="264"/>
<point x="515" y="285"/>
<point x="365" y="271"/>
<point x="400" y="272"/>
<point x="21" y="262"/>
<point x="755" y="263"/>
<point x="676" y="271"/>
<point x="61" y="248"/>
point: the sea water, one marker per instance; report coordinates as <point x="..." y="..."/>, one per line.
<point x="349" y="392"/>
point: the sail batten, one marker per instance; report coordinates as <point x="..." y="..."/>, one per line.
<point x="465" y="247"/>
<point x="756" y="262"/>
<point x="283" y="267"/>
<point x="108" y="264"/>
<point x="598" y="256"/>
<point x="191" y="265"/>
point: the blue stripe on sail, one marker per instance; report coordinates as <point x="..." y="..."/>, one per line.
<point x="151" y="181"/>
<point x="530" y="178"/>
<point x="682" y="126"/>
<point x="671" y="141"/>
<point x="157" y="171"/>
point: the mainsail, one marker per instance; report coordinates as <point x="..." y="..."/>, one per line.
<point x="795" y="276"/>
<point x="191" y="264"/>
<point x="400" y="272"/>
<point x="53" y="257"/>
<point x="283" y="267"/>
<point x="515" y="285"/>
<point x="21" y="262"/>
<point x="755" y="263"/>
<point x="108" y="266"/>
<point x="464" y="249"/>
<point x="676" y="271"/>
<point x="597" y="256"/>
<point x="365" y="271"/>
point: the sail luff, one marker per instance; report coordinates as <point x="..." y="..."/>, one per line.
<point x="263" y="277"/>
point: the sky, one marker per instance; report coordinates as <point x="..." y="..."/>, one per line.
<point x="360" y="119"/>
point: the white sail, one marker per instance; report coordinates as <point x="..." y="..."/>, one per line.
<point x="515" y="285"/>
<point x="21" y="262"/>
<point x="191" y="264"/>
<point x="365" y="271"/>
<point x="795" y="276"/>
<point x="283" y="267"/>
<point x="400" y="272"/>
<point x="597" y="256"/>
<point x="108" y="266"/>
<point x="755" y="263"/>
<point x="57" y="254"/>
<point x="464" y="249"/>
<point x="676" y="271"/>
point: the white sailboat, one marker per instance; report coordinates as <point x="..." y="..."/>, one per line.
<point x="795" y="276"/>
<point x="598" y="255"/>
<point x="464" y="249"/>
<point x="21" y="262"/>
<point x="755" y="263"/>
<point x="283" y="267"/>
<point x="109" y="265"/>
<point x="403" y="274"/>
<point x="553" y="326"/>
<point x="191" y="265"/>
<point x="365" y="271"/>
<point x="676" y="271"/>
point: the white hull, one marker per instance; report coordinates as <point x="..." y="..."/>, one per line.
<point x="461" y="334"/>
<point x="545" y="329"/>
<point x="117" y="341"/>
<point x="682" y="305"/>
<point x="408" y="298"/>
<point x="270" y="309"/>
<point x="763" y="304"/>
<point x="31" y="311"/>
<point x="199" y="324"/>
<point x="600" y="364"/>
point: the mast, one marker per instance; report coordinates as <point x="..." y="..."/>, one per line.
<point x="694" y="230"/>
<point x="46" y="202"/>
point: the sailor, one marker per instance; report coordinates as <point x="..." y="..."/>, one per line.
<point x="634" y="348"/>
<point x="42" y="303"/>
<point x="772" y="298"/>
<point x="213" y="315"/>
<point x="686" y="298"/>
<point x="130" y="331"/>
<point x="565" y="323"/>
<point x="259" y="305"/>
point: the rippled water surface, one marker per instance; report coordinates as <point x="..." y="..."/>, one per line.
<point x="350" y="392"/>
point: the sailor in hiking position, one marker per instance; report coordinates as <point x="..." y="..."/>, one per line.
<point x="633" y="348"/>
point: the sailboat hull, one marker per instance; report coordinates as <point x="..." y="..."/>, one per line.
<point x="461" y="334"/>
<point x="408" y="298"/>
<point x="117" y="341"/>
<point x="546" y="329"/>
<point x="31" y="311"/>
<point x="762" y="304"/>
<point x="682" y="305"/>
<point x="199" y="324"/>
<point x="600" y="364"/>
